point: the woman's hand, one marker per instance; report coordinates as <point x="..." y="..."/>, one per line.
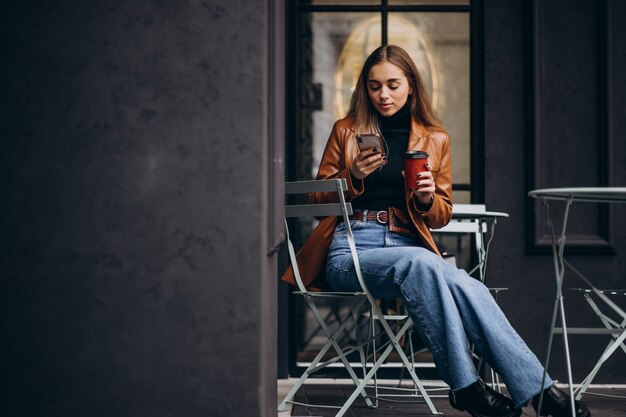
<point x="426" y="191"/>
<point x="366" y="162"/>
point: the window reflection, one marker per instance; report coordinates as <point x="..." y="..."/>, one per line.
<point x="447" y="38"/>
<point x="332" y="33"/>
<point x="363" y="40"/>
<point x="439" y="44"/>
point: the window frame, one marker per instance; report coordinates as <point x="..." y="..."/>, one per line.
<point x="475" y="10"/>
<point x="293" y="160"/>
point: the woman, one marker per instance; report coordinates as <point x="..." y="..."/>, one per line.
<point x="447" y="306"/>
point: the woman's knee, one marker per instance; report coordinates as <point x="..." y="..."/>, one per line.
<point x="468" y="286"/>
<point x="419" y="267"/>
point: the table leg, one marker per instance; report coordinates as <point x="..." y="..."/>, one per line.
<point x="558" y="249"/>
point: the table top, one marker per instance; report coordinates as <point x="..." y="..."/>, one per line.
<point x="478" y="215"/>
<point x="584" y="194"/>
<point x="474" y="211"/>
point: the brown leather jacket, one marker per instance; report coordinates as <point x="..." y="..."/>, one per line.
<point x="341" y="149"/>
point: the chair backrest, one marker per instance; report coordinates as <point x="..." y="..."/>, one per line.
<point x="464" y="219"/>
<point x="469" y="208"/>
<point x="471" y="218"/>
<point x="340" y="208"/>
<point x="474" y="220"/>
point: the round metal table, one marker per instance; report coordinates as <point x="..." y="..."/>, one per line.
<point x="570" y="196"/>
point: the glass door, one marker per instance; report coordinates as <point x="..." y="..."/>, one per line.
<point x="328" y="43"/>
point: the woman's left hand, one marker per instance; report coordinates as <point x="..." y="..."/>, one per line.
<point x="426" y="183"/>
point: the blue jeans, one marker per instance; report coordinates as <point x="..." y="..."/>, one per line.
<point x="447" y="307"/>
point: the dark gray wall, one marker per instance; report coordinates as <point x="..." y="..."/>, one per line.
<point x="136" y="279"/>
<point x="555" y="88"/>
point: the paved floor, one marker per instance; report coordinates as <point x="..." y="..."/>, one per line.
<point x="333" y="394"/>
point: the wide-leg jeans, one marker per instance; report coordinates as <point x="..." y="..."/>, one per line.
<point x="447" y="306"/>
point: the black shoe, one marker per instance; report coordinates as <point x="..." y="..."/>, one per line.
<point x="556" y="404"/>
<point x="481" y="401"/>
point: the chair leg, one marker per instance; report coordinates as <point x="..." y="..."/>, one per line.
<point x="392" y="345"/>
<point x="341" y="355"/>
<point x="411" y="369"/>
<point x="610" y="348"/>
<point x="607" y="353"/>
<point x="360" y="388"/>
<point x="310" y="369"/>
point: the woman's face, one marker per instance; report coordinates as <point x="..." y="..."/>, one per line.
<point x="388" y="88"/>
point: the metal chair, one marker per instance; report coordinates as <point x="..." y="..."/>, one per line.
<point x="475" y="220"/>
<point x="615" y="327"/>
<point x="343" y="209"/>
<point x="480" y="224"/>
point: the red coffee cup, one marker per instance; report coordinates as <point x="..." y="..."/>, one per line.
<point x="414" y="163"/>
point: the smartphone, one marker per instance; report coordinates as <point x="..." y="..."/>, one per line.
<point x="370" y="141"/>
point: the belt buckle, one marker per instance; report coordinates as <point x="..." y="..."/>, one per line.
<point x="378" y="218"/>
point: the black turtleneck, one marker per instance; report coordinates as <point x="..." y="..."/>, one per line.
<point x="384" y="187"/>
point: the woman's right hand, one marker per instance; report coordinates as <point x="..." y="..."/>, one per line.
<point x="366" y="162"/>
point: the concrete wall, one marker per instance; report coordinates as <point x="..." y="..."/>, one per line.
<point x="554" y="93"/>
<point x="136" y="279"/>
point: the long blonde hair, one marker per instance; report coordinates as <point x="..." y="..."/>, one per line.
<point x="361" y="108"/>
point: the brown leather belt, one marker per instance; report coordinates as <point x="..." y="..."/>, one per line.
<point x="396" y="219"/>
<point x="381" y="217"/>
